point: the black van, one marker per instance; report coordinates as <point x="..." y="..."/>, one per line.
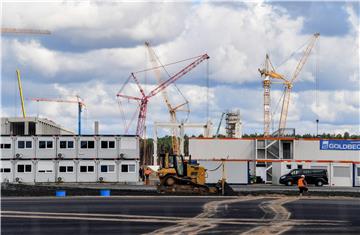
<point x="312" y="176"/>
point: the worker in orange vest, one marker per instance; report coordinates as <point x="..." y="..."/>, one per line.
<point x="302" y="185"/>
<point x="147" y="175"/>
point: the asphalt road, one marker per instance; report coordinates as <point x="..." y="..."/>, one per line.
<point x="180" y="215"/>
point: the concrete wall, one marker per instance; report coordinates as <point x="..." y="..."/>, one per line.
<point x="222" y="148"/>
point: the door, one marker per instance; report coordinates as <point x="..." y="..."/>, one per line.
<point x="357" y="175"/>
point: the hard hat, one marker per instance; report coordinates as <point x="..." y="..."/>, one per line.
<point x="302" y="176"/>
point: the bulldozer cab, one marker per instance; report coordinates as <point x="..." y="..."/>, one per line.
<point x="175" y="162"/>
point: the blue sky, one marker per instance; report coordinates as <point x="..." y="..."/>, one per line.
<point x="94" y="47"/>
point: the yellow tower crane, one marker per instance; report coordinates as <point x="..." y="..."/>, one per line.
<point x="289" y="83"/>
<point x="268" y="72"/>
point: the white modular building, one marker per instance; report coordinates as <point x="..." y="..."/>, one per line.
<point x="69" y="158"/>
<point x="270" y="158"/>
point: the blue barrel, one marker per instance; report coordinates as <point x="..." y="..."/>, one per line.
<point x="105" y="192"/>
<point x="60" y="193"/>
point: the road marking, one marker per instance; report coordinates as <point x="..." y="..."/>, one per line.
<point x="280" y="218"/>
<point x="198" y="224"/>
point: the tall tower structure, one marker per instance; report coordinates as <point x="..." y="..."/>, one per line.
<point x="233" y="124"/>
<point x="267" y="118"/>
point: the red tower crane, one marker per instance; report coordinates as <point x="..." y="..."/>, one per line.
<point x="145" y="98"/>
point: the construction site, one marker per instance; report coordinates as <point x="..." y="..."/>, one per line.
<point x="232" y="179"/>
<point x="266" y="158"/>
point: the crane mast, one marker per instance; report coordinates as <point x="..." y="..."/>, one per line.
<point x="172" y="110"/>
<point x="289" y="83"/>
<point x="268" y="73"/>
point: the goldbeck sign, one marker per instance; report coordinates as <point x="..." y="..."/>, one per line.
<point x="340" y="145"/>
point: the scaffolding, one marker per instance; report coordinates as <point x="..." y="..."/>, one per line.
<point x="233" y="124"/>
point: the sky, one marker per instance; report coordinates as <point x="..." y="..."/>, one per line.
<point x="94" y="46"/>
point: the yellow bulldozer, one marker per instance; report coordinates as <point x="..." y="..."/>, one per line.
<point x="178" y="175"/>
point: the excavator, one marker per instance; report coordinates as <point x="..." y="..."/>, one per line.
<point x="178" y="175"/>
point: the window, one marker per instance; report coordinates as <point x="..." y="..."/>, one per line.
<point x="295" y="172"/>
<point x="28" y="144"/>
<point x="104" y="144"/>
<point x="5" y="170"/>
<point x="21" y="144"/>
<point x="27" y="168"/>
<point x="63" y="144"/>
<point x="358" y="171"/>
<point x="83" y="168"/>
<point x="44" y="171"/>
<point x="91" y="144"/>
<point x="131" y="168"/>
<point x="45" y="144"/>
<point x="42" y="144"/>
<point x="111" y="168"/>
<point x="5" y="146"/>
<point x="103" y="168"/>
<point x="128" y="168"/>
<point x="70" y="144"/>
<point x="87" y="144"/>
<point x="90" y="168"/>
<point x="24" y="144"/>
<point x="66" y="144"/>
<point x="288" y="166"/>
<point x="66" y="169"/>
<point x="107" y="144"/>
<point x="49" y="144"/>
<point x="20" y="168"/>
<point x="111" y="144"/>
<point x="107" y="168"/>
<point x="23" y="168"/>
<point x="86" y="168"/>
<point x="124" y="168"/>
<point x="300" y="166"/>
<point x="62" y="168"/>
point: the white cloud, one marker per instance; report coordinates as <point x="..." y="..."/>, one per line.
<point x="90" y="22"/>
<point x="236" y="39"/>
